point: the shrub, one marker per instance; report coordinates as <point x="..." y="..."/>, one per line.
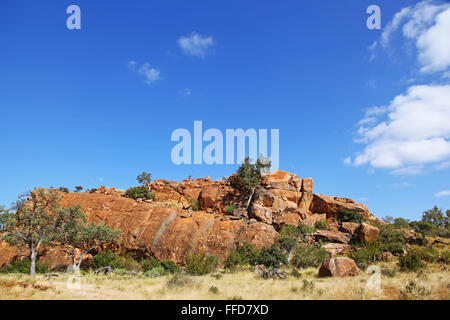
<point x="351" y="216"/>
<point x="401" y="223"/>
<point x="150" y="263"/>
<point x="200" y="263"/>
<point x="194" y="204"/>
<point x="233" y="260"/>
<point x="23" y="266"/>
<point x="92" y="190"/>
<point x="389" y="272"/>
<point x="64" y="189"/>
<point x="170" y="267"/>
<point x="414" y="291"/>
<point x="309" y="256"/>
<point x="213" y="290"/>
<point x="411" y="261"/>
<point x="178" y="281"/>
<point x="321" y="224"/>
<point x="229" y="209"/>
<point x="272" y="257"/>
<point x="393" y="239"/>
<point x="368" y="253"/>
<point x="140" y="192"/>
<point x="305" y="229"/>
<point x="109" y="258"/>
<point x="155" y="272"/>
<point x="78" y="188"/>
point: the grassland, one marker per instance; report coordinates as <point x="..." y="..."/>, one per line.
<point x="434" y="283"/>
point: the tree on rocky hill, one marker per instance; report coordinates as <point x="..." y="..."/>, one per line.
<point x="78" y="237"/>
<point x="437" y="217"/>
<point x="78" y="188"/>
<point x="248" y="176"/>
<point x="29" y="223"/>
<point x="145" y="178"/>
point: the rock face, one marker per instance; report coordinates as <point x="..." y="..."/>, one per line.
<point x="338" y="267"/>
<point x="169" y="229"/>
<point x="337" y="248"/>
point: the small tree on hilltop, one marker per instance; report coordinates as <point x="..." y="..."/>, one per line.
<point x="29" y="224"/>
<point x="79" y="237"/>
<point x="145" y="178"/>
<point x="249" y="176"/>
<point x="78" y="188"/>
<point x="436" y="216"/>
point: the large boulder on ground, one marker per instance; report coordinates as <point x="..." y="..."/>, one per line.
<point x="367" y="233"/>
<point x="338" y="267"/>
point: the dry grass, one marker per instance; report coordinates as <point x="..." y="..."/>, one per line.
<point x="434" y="284"/>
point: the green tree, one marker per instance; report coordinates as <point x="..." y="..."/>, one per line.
<point x="145" y="179"/>
<point x="249" y="176"/>
<point x="79" y="237"/>
<point x="436" y="216"/>
<point x="78" y="188"/>
<point x="29" y="224"/>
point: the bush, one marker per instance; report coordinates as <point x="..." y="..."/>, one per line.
<point x="233" y="260"/>
<point x="229" y="209"/>
<point x="411" y="261"/>
<point x="351" y="216"/>
<point x="368" y="253"/>
<point x="401" y="223"/>
<point x="150" y="263"/>
<point x="23" y="266"/>
<point x="178" y="281"/>
<point x="272" y="257"/>
<point x="309" y="256"/>
<point x="393" y="239"/>
<point x="140" y="192"/>
<point x="155" y="272"/>
<point x="305" y="229"/>
<point x="194" y="204"/>
<point x="321" y="224"/>
<point x="109" y="258"/>
<point x="170" y="267"/>
<point x="200" y="263"/>
<point x="64" y="189"/>
<point x="92" y="190"/>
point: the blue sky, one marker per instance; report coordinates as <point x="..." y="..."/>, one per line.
<point x="74" y="111"/>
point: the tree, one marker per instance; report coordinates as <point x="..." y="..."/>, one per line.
<point x="79" y="237"/>
<point x="249" y="176"/>
<point x="436" y="216"/>
<point x="29" y="224"/>
<point x="145" y="179"/>
<point x="288" y="243"/>
<point x="78" y="188"/>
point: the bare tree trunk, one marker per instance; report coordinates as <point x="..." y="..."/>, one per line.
<point x="250" y="198"/>
<point x="33" y="262"/>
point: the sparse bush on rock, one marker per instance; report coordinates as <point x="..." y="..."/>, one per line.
<point x="200" y="263"/>
<point x="140" y="193"/>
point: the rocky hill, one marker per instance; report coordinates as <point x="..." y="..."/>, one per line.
<point x="169" y="228"/>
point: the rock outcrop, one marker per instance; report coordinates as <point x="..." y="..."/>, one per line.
<point x="338" y="267"/>
<point x="169" y="229"/>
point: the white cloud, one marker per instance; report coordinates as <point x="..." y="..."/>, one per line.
<point x="443" y="193"/>
<point x="150" y="74"/>
<point x="347" y="160"/>
<point x="195" y="44"/>
<point x="427" y="25"/>
<point x="412" y="131"/>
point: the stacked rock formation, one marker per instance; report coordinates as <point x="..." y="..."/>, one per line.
<point x="169" y="229"/>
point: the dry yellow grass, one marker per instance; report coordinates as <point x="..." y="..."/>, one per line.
<point x="434" y="284"/>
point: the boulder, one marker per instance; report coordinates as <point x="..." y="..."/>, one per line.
<point x="296" y="182"/>
<point x="331" y="236"/>
<point x="334" y="207"/>
<point x="287" y="218"/>
<point x="277" y="180"/>
<point x="387" y="255"/>
<point x="367" y="233"/>
<point x="350" y="227"/>
<point x="208" y="196"/>
<point x="338" y="267"/>
<point x="307" y="185"/>
<point x="261" y="213"/>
